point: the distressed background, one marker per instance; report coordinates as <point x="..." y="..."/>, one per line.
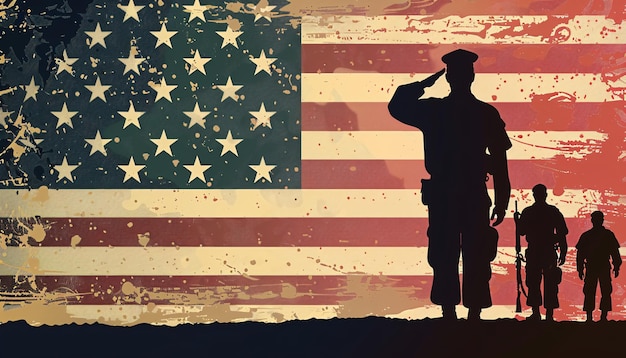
<point x="168" y="163"/>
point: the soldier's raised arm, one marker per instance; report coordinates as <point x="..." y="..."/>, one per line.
<point x="405" y="104"/>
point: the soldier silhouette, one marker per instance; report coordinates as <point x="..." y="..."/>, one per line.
<point x="545" y="231"/>
<point x="458" y="131"/>
<point x="594" y="249"/>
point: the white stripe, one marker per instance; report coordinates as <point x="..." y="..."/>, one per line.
<point x="475" y="29"/>
<point x="214" y="261"/>
<point x="409" y="145"/>
<point x="488" y="87"/>
<point x="172" y="315"/>
<point x="230" y="261"/>
<point x="278" y="203"/>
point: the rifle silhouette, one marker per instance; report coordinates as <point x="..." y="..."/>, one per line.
<point x="518" y="265"/>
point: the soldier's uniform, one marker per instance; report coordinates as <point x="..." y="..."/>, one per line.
<point x="457" y="131"/>
<point x="594" y="249"/>
<point x="544" y="227"/>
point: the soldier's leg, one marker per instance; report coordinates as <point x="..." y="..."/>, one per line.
<point x="606" y="288"/>
<point x="533" y="280"/>
<point x="551" y="287"/>
<point x="443" y="257"/>
<point x="589" y="289"/>
<point x="476" y="260"/>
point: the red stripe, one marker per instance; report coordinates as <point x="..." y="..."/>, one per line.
<point x="390" y="58"/>
<point x="260" y="232"/>
<point x="310" y="232"/>
<point x="405" y="174"/>
<point x="469" y="7"/>
<point x="537" y="115"/>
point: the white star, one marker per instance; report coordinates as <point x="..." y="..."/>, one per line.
<point x="262" y="170"/>
<point x="229" y="144"/>
<point x="263" y="10"/>
<point x="31" y="89"/>
<point x="65" y="170"/>
<point x="131" y="10"/>
<point x="262" y="117"/>
<point x="197" y="62"/>
<point x="197" y="116"/>
<point x="97" y="90"/>
<point x="98" y="36"/>
<point x="97" y="144"/>
<point x="64" y="116"/>
<point x="197" y="170"/>
<point x="163" y="90"/>
<point x="131" y="170"/>
<point x="163" y="144"/>
<point x="229" y="36"/>
<point x="131" y="116"/>
<point x="263" y="63"/>
<point x="131" y="63"/>
<point x="163" y="36"/>
<point x="229" y="90"/>
<point x="195" y="11"/>
<point x="65" y="64"/>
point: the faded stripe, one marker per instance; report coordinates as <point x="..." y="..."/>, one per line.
<point x="320" y="203"/>
<point x="265" y="232"/>
<point x="473" y="29"/>
<point x="399" y="58"/>
<point x="409" y="145"/>
<point x="488" y="87"/>
<point x="551" y="113"/>
<point x="229" y="261"/>
<point x="172" y="315"/>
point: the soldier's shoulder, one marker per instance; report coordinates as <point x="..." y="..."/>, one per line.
<point x="487" y="106"/>
<point x="490" y="113"/>
<point x="585" y="236"/>
<point x="608" y="231"/>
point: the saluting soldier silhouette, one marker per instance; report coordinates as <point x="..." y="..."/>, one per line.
<point x="464" y="141"/>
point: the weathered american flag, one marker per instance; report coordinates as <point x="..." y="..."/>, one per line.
<point x="167" y="162"/>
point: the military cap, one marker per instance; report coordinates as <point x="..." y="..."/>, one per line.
<point x="459" y="58"/>
<point x="597" y="214"/>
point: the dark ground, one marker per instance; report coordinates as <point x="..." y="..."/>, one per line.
<point x="369" y="337"/>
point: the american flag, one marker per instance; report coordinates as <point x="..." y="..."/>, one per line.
<point x="200" y="161"/>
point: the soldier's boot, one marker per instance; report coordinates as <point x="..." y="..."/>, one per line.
<point x="589" y="316"/>
<point x="603" y="316"/>
<point x="536" y="316"/>
<point x="449" y="312"/>
<point x="550" y="314"/>
<point x="474" y="314"/>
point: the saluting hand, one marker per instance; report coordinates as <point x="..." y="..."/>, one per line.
<point x="432" y="78"/>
